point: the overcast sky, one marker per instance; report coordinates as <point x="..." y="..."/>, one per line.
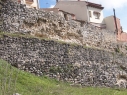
<point x="119" y="5"/>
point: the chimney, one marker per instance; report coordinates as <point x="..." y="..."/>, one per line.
<point x="56" y="1"/>
<point x="78" y="0"/>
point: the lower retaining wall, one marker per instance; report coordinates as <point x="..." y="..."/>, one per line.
<point x="71" y="63"/>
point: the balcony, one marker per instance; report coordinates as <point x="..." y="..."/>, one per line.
<point x="29" y="1"/>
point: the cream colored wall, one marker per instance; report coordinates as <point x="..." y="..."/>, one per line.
<point x="79" y="9"/>
<point x="109" y="21"/>
<point x="86" y="18"/>
<point x="34" y="4"/>
<point x="23" y="2"/>
<point x="92" y="19"/>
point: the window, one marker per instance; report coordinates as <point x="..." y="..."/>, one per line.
<point x="90" y="15"/>
<point x="19" y="1"/>
<point x="72" y="16"/>
<point x="65" y="16"/>
<point x="97" y="15"/>
<point x="82" y="24"/>
<point x="29" y="0"/>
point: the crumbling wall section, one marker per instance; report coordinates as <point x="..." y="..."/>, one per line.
<point x="15" y="17"/>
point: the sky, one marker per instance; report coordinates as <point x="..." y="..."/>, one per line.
<point x="119" y="5"/>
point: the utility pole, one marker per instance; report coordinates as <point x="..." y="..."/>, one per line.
<point x="115" y="21"/>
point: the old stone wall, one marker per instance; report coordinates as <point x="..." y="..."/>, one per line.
<point x="65" y="62"/>
<point x="15" y="17"/>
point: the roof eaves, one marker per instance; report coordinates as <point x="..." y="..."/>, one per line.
<point x="67" y="12"/>
<point x="99" y="6"/>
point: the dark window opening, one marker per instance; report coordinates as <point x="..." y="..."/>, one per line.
<point x="82" y="24"/>
<point x="97" y="15"/>
<point x="90" y="15"/>
<point x="65" y="16"/>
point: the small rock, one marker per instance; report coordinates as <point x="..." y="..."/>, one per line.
<point x="16" y="94"/>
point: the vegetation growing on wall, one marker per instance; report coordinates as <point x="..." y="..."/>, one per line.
<point x="29" y="84"/>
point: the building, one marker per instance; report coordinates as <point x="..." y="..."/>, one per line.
<point x="92" y="13"/>
<point x="113" y="24"/>
<point x="84" y="11"/>
<point x="30" y="3"/>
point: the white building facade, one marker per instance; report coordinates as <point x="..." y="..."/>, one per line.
<point x="95" y="15"/>
<point x="30" y="3"/>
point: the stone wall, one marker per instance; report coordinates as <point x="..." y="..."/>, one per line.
<point x="65" y="62"/>
<point x="17" y="18"/>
